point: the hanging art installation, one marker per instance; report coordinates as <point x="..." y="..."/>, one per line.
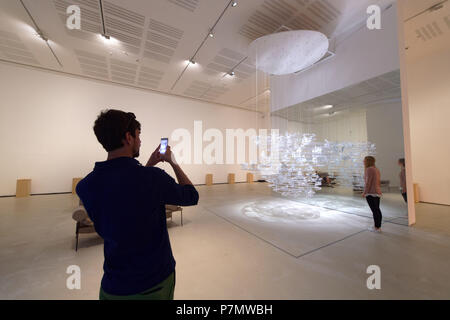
<point x="290" y="163"/>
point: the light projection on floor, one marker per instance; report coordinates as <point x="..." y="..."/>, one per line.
<point x="291" y="163"/>
<point x="272" y="211"/>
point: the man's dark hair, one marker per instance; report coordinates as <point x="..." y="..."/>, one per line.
<point x="402" y="161"/>
<point x="111" y="127"/>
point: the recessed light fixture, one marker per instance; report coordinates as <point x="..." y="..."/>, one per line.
<point x="322" y="108"/>
<point x="106" y="37"/>
<point x="231" y="73"/>
<point x="41" y="34"/>
<point x="210" y="34"/>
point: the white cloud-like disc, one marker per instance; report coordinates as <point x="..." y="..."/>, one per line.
<point x="288" y="52"/>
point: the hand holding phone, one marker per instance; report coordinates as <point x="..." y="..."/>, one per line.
<point x="154" y="158"/>
<point x="164" y="144"/>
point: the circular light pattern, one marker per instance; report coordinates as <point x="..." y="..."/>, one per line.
<point x="281" y="210"/>
<point x="288" y="52"/>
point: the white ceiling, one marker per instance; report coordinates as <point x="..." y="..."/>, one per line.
<point x="414" y="7"/>
<point x="156" y="37"/>
<point x="426" y="31"/>
<point x="382" y="89"/>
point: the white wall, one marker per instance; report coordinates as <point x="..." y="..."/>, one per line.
<point x="351" y="127"/>
<point x="362" y="56"/>
<point x="46" y="124"/>
<point x="290" y="126"/>
<point x="385" y="129"/>
<point x="428" y="87"/>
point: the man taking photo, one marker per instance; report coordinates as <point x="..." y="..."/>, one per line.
<point x="126" y="201"/>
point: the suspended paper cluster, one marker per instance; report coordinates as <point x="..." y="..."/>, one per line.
<point x="291" y="162"/>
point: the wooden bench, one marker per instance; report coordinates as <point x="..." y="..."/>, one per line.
<point x="171" y="209"/>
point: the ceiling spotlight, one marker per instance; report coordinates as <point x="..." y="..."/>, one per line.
<point x="231" y="73"/>
<point x="234" y="4"/>
<point x="108" y="39"/>
<point x="211" y="35"/>
<point x="192" y="61"/>
<point x="322" y="108"/>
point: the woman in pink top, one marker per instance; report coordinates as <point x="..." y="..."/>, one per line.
<point x="372" y="190"/>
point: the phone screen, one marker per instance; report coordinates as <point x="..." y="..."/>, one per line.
<point x="164" y="143"/>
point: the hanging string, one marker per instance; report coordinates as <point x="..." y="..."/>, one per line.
<point x="256" y="90"/>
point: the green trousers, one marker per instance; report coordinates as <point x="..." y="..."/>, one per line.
<point x="162" y="291"/>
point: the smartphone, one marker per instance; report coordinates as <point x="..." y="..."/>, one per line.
<point x="164" y="144"/>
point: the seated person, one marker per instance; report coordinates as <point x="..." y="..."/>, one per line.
<point x="326" y="180"/>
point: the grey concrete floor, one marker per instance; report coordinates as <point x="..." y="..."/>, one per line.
<point x="345" y="200"/>
<point x="433" y="218"/>
<point x="225" y="251"/>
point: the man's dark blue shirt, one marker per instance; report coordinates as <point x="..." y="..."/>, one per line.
<point x="126" y="201"/>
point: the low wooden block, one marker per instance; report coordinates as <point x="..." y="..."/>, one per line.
<point x="209" y="179"/>
<point x="250" y="177"/>
<point x="416" y="193"/>
<point x="74" y="184"/>
<point x="23" y="188"/>
<point x="231" y="178"/>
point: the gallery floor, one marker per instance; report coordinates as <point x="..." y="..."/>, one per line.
<point x="241" y="242"/>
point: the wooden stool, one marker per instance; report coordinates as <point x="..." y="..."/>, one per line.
<point x="209" y="179"/>
<point x="249" y="177"/>
<point x="231" y="178"/>
<point x="23" y="188"/>
<point x="74" y="184"/>
<point x="416" y="193"/>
